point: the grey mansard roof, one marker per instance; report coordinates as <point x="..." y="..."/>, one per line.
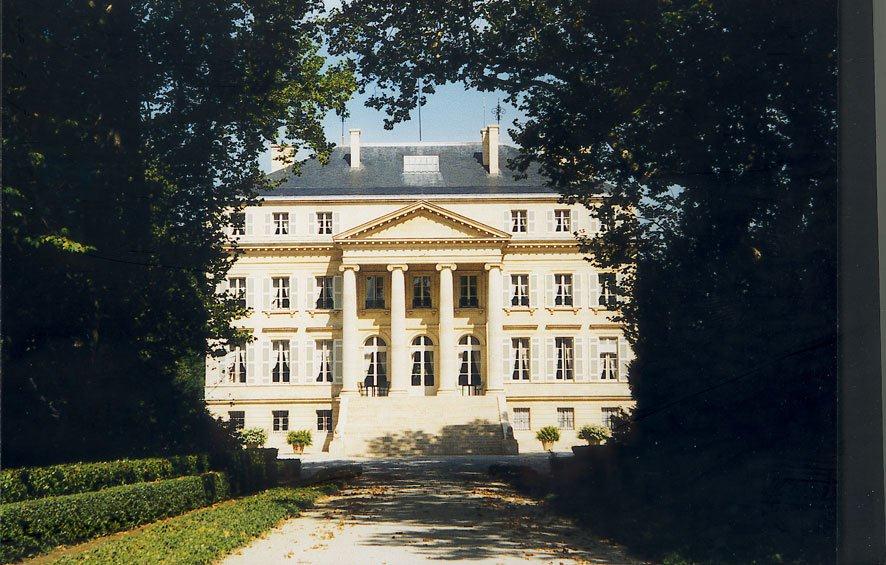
<point x="461" y="172"/>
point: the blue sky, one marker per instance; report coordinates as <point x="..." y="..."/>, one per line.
<point x="451" y="114"/>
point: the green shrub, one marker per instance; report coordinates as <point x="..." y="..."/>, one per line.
<point x="205" y="535"/>
<point x="253" y="437"/>
<point x="35" y="526"/>
<point x="594" y="433"/>
<point x="72" y="478"/>
<point x="249" y="470"/>
<point x="548" y="433"/>
<point x="299" y="437"/>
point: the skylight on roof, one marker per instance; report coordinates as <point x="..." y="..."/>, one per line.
<point x="421" y="163"/>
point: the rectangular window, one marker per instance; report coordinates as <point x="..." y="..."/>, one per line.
<point x="421" y="292"/>
<point x="280" y="359"/>
<point x="325" y="360"/>
<point x="238" y="418"/>
<point x="421" y="163"/>
<point x="281" y="420"/>
<point x="325" y="296"/>
<point x="237" y="286"/>
<point x="608" y="358"/>
<point x="238" y="223"/>
<point x="467" y="292"/>
<point x="237" y="365"/>
<point x="608" y="296"/>
<point x="565" y="356"/>
<point x="563" y="221"/>
<point x="520" y="370"/>
<point x="375" y="292"/>
<point x="609" y="415"/>
<point x="281" y="223"/>
<point x="521" y="419"/>
<point x="280" y="293"/>
<point x="324" y="223"/>
<point x="324" y="420"/>
<point x="563" y="290"/>
<point x="518" y="221"/>
<point x="566" y="418"/>
<point x="519" y="290"/>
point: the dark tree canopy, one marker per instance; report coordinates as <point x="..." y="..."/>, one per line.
<point x="130" y="131"/>
<point x="713" y="125"/>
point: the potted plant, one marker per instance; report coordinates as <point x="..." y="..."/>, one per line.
<point x="253" y="437"/>
<point x="299" y="439"/>
<point x="594" y="434"/>
<point x="547" y="436"/>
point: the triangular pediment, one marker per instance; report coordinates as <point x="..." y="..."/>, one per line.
<point x="422" y="221"/>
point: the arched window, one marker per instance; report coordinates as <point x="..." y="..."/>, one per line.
<point x="469" y="354"/>
<point x="375" y="355"/>
<point x="422" y="361"/>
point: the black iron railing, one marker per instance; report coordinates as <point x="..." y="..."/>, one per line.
<point x="372" y="390"/>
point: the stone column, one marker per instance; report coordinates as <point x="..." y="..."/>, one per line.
<point x="350" y="337"/>
<point x="494" y="332"/>
<point x="448" y="377"/>
<point x="398" y="360"/>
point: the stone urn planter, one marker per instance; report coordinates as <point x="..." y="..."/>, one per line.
<point x="299" y="439"/>
<point x="547" y="436"/>
<point x="594" y="434"/>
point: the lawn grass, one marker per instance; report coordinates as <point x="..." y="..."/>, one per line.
<point x="204" y="535"/>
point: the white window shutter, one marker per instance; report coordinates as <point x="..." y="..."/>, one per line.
<point x="336" y="291"/>
<point x="619" y="281"/>
<point x="550" y="359"/>
<point x="293" y="292"/>
<point x="250" y="293"/>
<point x="593" y="289"/>
<point x="530" y="221"/>
<point x="549" y="290"/>
<point x="266" y="293"/>
<point x="593" y="357"/>
<point x="336" y="361"/>
<point x="312" y="223"/>
<point x="533" y="291"/>
<point x="535" y="359"/>
<point x="294" y="368"/>
<point x="507" y="290"/>
<point x="309" y="361"/>
<point x="594" y="225"/>
<point x="507" y="359"/>
<point x="249" y="222"/>
<point x="579" y="358"/>
<point x="577" y="289"/>
<point x="624" y="358"/>
<point x="336" y="226"/>
<point x="550" y="215"/>
<point x="269" y="221"/>
<point x="509" y="227"/>
<point x="265" y="371"/>
<point x="252" y="367"/>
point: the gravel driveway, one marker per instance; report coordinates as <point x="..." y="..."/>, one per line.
<point x="429" y="509"/>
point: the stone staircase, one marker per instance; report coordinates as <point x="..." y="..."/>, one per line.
<point x="396" y="426"/>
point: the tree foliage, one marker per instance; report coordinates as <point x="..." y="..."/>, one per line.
<point x="130" y="131"/>
<point x="710" y="129"/>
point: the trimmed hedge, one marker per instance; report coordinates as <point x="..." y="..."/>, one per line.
<point x="35" y="526"/>
<point x="249" y="470"/>
<point x="72" y="478"/>
<point x="205" y="535"/>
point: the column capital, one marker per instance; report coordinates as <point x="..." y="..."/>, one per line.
<point x="403" y="268"/>
<point x="450" y="266"/>
<point x="490" y="266"/>
<point x="344" y="268"/>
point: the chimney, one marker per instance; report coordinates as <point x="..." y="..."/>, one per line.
<point x="355" y="149"/>
<point x="484" y="140"/>
<point x="492" y="148"/>
<point x="278" y="151"/>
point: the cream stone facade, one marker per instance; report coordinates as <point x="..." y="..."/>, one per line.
<point x="403" y="313"/>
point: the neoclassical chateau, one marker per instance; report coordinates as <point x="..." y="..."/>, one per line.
<point x="416" y="298"/>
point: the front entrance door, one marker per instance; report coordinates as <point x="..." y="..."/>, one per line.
<point x="423" y="382"/>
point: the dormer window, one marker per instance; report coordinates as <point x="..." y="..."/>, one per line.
<point x="421" y="163"/>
